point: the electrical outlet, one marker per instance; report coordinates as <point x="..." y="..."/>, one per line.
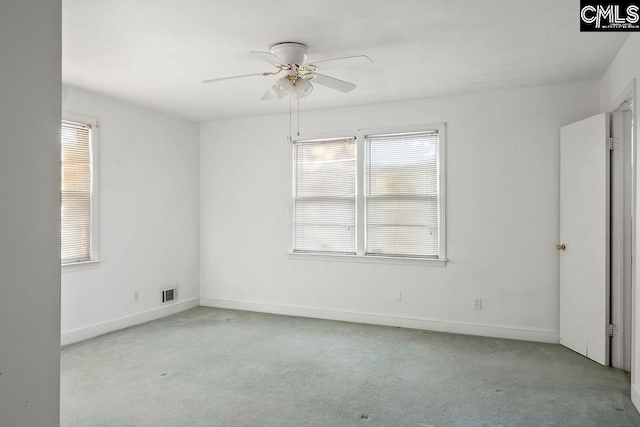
<point x="477" y="303"/>
<point x="136" y="296"/>
<point x="399" y="296"/>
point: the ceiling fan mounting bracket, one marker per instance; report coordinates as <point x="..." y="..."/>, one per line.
<point x="290" y="52"/>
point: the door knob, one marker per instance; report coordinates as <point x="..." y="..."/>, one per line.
<point x="561" y="247"/>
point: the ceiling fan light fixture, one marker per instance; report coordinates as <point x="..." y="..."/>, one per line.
<point x="281" y="87"/>
<point x="297" y="87"/>
<point x="301" y="88"/>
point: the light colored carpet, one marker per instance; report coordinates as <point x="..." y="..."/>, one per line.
<point x="214" y="367"/>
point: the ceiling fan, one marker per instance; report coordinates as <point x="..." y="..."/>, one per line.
<point x="289" y="59"/>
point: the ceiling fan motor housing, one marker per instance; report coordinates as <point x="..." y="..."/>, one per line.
<point x="290" y="52"/>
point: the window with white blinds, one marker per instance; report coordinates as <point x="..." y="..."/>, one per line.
<point x="402" y="195"/>
<point x="324" y="196"/>
<point x="76" y="192"/>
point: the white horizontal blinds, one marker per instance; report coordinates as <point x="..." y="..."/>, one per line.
<point x="324" y="191"/>
<point x="401" y="179"/>
<point x="76" y="192"/>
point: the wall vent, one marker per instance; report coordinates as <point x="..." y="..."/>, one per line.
<point x="169" y="295"/>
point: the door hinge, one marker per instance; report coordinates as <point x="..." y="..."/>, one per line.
<point x="611" y="330"/>
<point x="613" y="143"/>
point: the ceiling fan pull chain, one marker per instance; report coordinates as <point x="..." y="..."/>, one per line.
<point x="298" y="115"/>
<point x="290" y="125"/>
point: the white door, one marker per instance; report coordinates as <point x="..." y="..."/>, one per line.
<point x="584" y="230"/>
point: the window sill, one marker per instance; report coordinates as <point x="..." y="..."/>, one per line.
<point x="78" y="266"/>
<point x="372" y="259"/>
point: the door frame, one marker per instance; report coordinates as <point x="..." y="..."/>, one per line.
<point x="627" y="100"/>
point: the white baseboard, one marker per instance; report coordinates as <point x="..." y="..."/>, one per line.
<point x="81" y="334"/>
<point x="404" y="322"/>
<point x="635" y="396"/>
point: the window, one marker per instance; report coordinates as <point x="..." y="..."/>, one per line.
<point x="375" y="195"/>
<point x="401" y="178"/>
<point x="78" y="196"/>
<point x="324" y="194"/>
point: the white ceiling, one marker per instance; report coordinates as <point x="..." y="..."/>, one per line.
<point x="156" y="52"/>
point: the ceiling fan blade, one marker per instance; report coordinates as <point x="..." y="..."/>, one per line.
<point x="346" y="62"/>
<point x="269" y="57"/>
<point x="333" y="83"/>
<point x="230" y="78"/>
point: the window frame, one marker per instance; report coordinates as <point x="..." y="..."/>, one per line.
<point x="94" y="138"/>
<point x="295" y="198"/>
<point x="360" y="256"/>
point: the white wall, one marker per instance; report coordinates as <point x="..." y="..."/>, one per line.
<point x="149" y="218"/>
<point x="502" y="218"/>
<point x="30" y="212"/>
<point x="624" y="68"/>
